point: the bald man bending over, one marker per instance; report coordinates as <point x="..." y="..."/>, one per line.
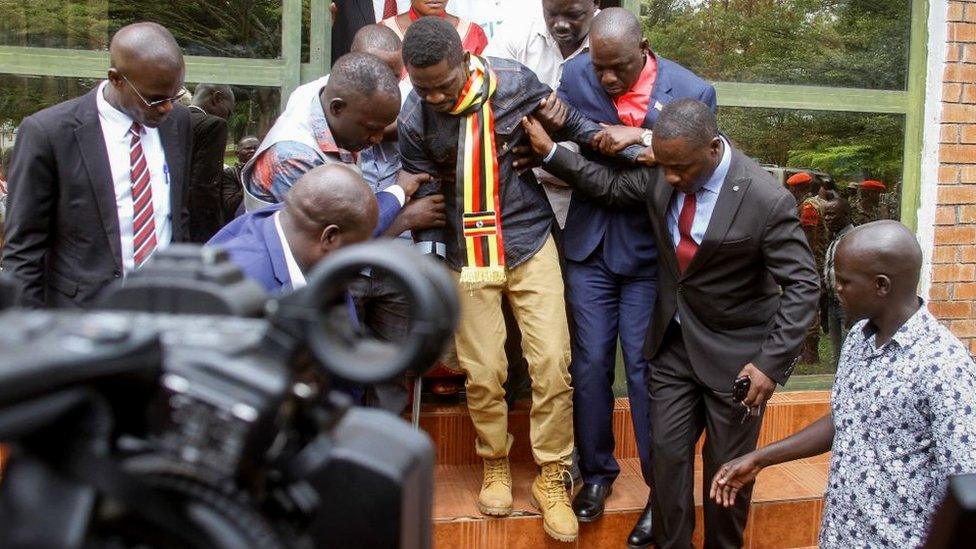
<point x="98" y="183"/>
<point x="329" y="207"/>
<point x="903" y="409"/>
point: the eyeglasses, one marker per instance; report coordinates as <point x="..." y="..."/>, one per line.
<point x="158" y="102"/>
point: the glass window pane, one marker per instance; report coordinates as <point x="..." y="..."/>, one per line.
<point x="255" y="111"/>
<point x="841" y="148"/>
<point x="846" y="43"/>
<point x="226" y="28"/>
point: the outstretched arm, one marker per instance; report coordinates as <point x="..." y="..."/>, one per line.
<point x="622" y="188"/>
<point x="815" y="439"/>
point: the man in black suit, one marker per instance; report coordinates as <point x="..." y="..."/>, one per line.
<point x="349" y="16"/>
<point x="737" y="290"/>
<point x="211" y="107"/>
<point x="98" y="183"/>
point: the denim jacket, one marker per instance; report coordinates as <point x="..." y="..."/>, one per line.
<point x="429" y="144"/>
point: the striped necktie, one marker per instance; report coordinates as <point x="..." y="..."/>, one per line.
<point x="143" y="220"/>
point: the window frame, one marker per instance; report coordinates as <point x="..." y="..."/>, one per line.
<point x="288" y="72"/>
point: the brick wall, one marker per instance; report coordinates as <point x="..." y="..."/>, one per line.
<point x="953" y="292"/>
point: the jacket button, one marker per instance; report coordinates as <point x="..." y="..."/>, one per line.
<point x="116" y="274"/>
<point x="681" y="288"/>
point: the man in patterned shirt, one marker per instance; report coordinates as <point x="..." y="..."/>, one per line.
<point x="330" y="120"/>
<point x="903" y="409"/>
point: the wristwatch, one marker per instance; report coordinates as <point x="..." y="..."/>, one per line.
<point x="646" y="137"/>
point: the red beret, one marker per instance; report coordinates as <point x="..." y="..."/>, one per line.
<point x="873" y="184"/>
<point x="801" y="178"/>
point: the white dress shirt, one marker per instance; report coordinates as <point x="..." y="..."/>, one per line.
<point x="294" y="272"/>
<point x="706" y="197"/>
<point x="531" y="45"/>
<point x="378" y="5"/>
<point x="115" y="129"/>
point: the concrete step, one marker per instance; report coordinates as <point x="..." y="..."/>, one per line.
<point x="453" y="433"/>
<point x="785" y="510"/>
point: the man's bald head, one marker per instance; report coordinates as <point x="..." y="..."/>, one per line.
<point x="141" y="44"/>
<point x="618" y="50"/>
<point x="328" y="208"/>
<point x="381" y="41"/>
<point x="361" y="100"/>
<point x="617" y="24"/>
<point x="885" y="247"/>
<point x="877" y="267"/>
<point x="146" y="73"/>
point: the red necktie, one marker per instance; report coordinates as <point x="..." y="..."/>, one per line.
<point x="686" y="246"/>
<point x="389" y="9"/>
<point x="143" y="220"/>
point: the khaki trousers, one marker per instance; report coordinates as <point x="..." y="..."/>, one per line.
<point x="535" y="292"/>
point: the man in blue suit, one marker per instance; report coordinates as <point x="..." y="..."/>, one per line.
<point x="328" y="208"/>
<point x="611" y="260"/>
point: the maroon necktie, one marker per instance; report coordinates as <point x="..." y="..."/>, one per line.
<point x="686" y="245"/>
<point x="389" y="9"/>
<point x="143" y="220"/>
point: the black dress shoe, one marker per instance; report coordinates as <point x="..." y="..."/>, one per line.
<point x="640" y="536"/>
<point x="588" y="503"/>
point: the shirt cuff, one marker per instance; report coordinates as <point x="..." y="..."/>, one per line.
<point x="398" y="192"/>
<point x="552" y="153"/>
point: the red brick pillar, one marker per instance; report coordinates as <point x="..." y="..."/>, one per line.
<point x="952" y="297"/>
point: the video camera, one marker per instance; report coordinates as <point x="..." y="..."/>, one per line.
<point x="191" y="411"/>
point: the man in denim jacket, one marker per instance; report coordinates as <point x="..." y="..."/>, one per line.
<point x="437" y="116"/>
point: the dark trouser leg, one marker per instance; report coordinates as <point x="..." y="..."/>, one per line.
<point x="725" y="439"/>
<point x="594" y="307"/>
<point x="637" y="296"/>
<point x="677" y="420"/>
<point x="386" y="313"/>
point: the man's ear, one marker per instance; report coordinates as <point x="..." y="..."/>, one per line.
<point x="882" y="285"/>
<point x="330" y="237"/>
<point x="337" y="105"/>
<point x="114" y="76"/>
<point x="645" y="46"/>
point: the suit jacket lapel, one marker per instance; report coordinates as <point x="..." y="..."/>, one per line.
<point x="661" y="195"/>
<point x="91" y="143"/>
<point x="276" y="250"/>
<point x="734" y="187"/>
<point x="660" y="94"/>
<point x="174" y="163"/>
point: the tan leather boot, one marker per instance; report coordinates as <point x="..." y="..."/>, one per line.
<point x="549" y="495"/>
<point x="495" y="498"/>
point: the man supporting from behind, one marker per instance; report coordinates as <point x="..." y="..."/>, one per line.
<point x="328" y="208"/>
<point x="212" y="105"/>
<point x="611" y="257"/>
<point x="327" y="121"/>
<point x="738" y="287"/>
<point x="545" y="46"/>
<point x="98" y="183"/>
<point x="903" y="408"/>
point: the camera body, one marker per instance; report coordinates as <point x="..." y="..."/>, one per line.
<point x="161" y="428"/>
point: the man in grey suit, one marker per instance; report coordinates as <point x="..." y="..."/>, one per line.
<point x="737" y="290"/>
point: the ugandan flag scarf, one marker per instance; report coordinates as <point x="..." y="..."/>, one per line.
<point x="477" y="170"/>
